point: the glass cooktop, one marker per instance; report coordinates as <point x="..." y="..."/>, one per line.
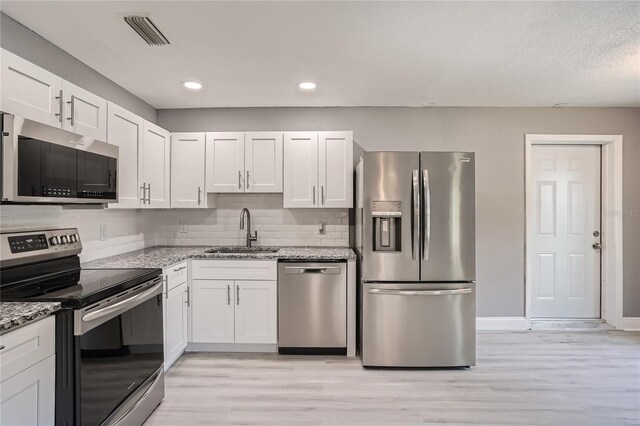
<point x="79" y="287"/>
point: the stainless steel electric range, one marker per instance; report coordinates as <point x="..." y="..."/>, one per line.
<point x="109" y="333"/>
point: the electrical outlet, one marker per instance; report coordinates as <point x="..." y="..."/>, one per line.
<point x="103" y="232"/>
<point x="322" y="228"/>
<point x="183" y="226"/>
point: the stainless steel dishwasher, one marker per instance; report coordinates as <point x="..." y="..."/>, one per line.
<point x="312" y="307"/>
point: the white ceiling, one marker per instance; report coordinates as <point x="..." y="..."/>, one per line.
<point x="359" y="53"/>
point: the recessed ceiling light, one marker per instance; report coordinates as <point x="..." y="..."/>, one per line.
<point x="307" y="85"/>
<point x="193" y="85"/>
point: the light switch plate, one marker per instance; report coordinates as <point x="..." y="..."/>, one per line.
<point x="183" y="227"/>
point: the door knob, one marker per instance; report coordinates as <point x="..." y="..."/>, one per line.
<point x="597" y="246"/>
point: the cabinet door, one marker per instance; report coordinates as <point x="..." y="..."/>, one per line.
<point x="335" y="174"/>
<point x="125" y="129"/>
<point x="212" y="311"/>
<point x="175" y="325"/>
<point x="187" y="170"/>
<point x="225" y="162"/>
<point x="28" y="398"/>
<point x="300" y="169"/>
<point x="85" y="113"/>
<point x="263" y="161"/>
<point x="155" y="163"/>
<point x="256" y="311"/>
<point x="29" y="91"/>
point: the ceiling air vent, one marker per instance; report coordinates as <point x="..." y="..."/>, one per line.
<point x="147" y="30"/>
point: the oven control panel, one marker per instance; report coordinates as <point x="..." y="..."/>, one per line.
<point x="24" y="247"/>
<point x="25" y="243"/>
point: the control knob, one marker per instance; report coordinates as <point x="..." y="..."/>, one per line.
<point x="73" y="238"/>
<point x="64" y="239"/>
<point x="54" y="240"/>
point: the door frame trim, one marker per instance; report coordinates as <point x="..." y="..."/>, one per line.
<point x="611" y="275"/>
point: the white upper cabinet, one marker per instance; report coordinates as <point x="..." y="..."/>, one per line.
<point x="335" y="170"/>
<point x="155" y="166"/>
<point x="29" y="91"/>
<point x="318" y="169"/>
<point x="300" y="169"/>
<point x="187" y="170"/>
<point x="263" y="161"/>
<point x="225" y="162"/>
<point x="125" y="129"/>
<point x="84" y="112"/>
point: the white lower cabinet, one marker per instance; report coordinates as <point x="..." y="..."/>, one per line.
<point x="175" y="304"/>
<point x="213" y="311"/>
<point x="28" y="370"/>
<point x="256" y="312"/>
<point x="226" y="311"/>
<point x="234" y="302"/>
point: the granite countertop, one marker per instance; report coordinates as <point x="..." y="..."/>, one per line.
<point x="15" y="314"/>
<point x="163" y="256"/>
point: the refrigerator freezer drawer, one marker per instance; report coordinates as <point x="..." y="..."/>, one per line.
<point x="418" y="325"/>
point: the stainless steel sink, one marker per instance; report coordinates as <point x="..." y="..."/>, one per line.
<point x="241" y="250"/>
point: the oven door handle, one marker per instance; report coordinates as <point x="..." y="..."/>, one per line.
<point x="85" y="321"/>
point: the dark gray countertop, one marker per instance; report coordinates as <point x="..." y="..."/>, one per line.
<point x="15" y="314"/>
<point x="163" y="256"/>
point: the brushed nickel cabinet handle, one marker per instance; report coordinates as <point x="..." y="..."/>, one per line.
<point x="239" y="179"/>
<point x="237" y="295"/>
<point x="72" y="115"/>
<point x="199" y="194"/>
<point x="60" y="106"/>
<point x="228" y="295"/>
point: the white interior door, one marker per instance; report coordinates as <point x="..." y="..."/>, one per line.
<point x="125" y="131"/>
<point x="225" y="162"/>
<point x="187" y="170"/>
<point x="263" y="161"/>
<point x="301" y="170"/>
<point x="566" y="223"/>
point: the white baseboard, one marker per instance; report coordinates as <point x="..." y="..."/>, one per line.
<point x="231" y="347"/>
<point x="631" y="324"/>
<point x="501" y="323"/>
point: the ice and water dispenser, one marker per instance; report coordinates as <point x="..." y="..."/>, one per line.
<point x="387" y="225"/>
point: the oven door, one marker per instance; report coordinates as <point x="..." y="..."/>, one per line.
<point x="119" y="345"/>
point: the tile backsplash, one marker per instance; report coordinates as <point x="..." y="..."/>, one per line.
<point x="276" y="226"/>
<point x="128" y="230"/>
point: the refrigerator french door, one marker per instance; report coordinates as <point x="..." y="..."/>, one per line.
<point x="415" y="238"/>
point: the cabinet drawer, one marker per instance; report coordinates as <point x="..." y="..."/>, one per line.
<point x="26" y="346"/>
<point x="234" y="270"/>
<point x="176" y="275"/>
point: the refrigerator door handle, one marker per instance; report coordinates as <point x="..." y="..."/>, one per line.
<point x="415" y="192"/>
<point x="427" y="214"/>
<point x="452" y="292"/>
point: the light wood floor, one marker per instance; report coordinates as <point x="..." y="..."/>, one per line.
<point x="532" y="378"/>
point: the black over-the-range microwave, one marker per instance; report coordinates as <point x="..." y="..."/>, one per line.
<point x="46" y="164"/>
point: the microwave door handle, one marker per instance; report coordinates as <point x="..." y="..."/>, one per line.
<point x="415" y="192"/>
<point x="427" y="214"/>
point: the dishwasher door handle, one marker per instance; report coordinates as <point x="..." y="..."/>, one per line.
<point x="420" y="292"/>
<point x="312" y="270"/>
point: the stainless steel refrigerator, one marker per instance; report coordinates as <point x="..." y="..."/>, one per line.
<point x="415" y="240"/>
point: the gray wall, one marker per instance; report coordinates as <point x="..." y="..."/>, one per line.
<point x="497" y="136"/>
<point x="25" y="43"/>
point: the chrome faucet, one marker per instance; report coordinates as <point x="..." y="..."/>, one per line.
<point x="254" y="237"/>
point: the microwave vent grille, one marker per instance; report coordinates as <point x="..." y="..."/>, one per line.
<point x="147" y="30"/>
